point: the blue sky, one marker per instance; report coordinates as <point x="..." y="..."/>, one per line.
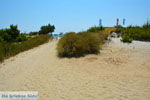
<point x="71" y="15"/>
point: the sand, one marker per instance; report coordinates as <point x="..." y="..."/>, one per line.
<point x="119" y="72"/>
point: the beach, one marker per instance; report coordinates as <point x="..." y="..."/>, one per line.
<point x="120" y="72"/>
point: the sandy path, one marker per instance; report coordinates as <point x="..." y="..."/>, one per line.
<point x="120" y="72"/>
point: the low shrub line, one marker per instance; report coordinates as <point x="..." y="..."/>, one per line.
<point x="80" y="44"/>
<point x="141" y="33"/>
<point x="10" y="49"/>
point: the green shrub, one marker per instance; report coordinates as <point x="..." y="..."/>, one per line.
<point x="1" y="51"/>
<point x="33" y="33"/>
<point x="21" y="38"/>
<point x="126" y="38"/>
<point x="10" y="49"/>
<point x="91" y="41"/>
<point x="138" y="33"/>
<point x="1" y="39"/>
<point x="47" y="29"/>
<point x="119" y="29"/>
<point x="10" y="34"/>
<point x="13" y="32"/>
<point x="66" y="45"/>
<point x="95" y="29"/>
<point x="6" y="37"/>
<point x="76" y="45"/>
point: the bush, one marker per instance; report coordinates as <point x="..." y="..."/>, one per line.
<point x="95" y="29"/>
<point x="1" y="51"/>
<point x="5" y="36"/>
<point x="10" y="49"/>
<point x="76" y="45"/>
<point x="33" y="33"/>
<point x="126" y="38"/>
<point x="1" y="39"/>
<point x="66" y="45"/>
<point x="47" y="29"/>
<point x="137" y="33"/>
<point x="13" y="31"/>
<point x="10" y="34"/>
<point x="21" y="38"/>
<point x="119" y="29"/>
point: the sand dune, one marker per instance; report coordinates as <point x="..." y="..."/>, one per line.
<point x="119" y="72"/>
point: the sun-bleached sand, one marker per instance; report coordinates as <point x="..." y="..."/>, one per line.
<point x="119" y="72"/>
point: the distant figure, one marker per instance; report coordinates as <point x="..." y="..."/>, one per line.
<point x="117" y="22"/>
<point x="100" y="22"/>
<point x="124" y="20"/>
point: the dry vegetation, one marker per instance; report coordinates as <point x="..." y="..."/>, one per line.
<point x="79" y="44"/>
<point x="10" y="49"/>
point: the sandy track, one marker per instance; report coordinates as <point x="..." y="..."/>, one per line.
<point x="120" y="72"/>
